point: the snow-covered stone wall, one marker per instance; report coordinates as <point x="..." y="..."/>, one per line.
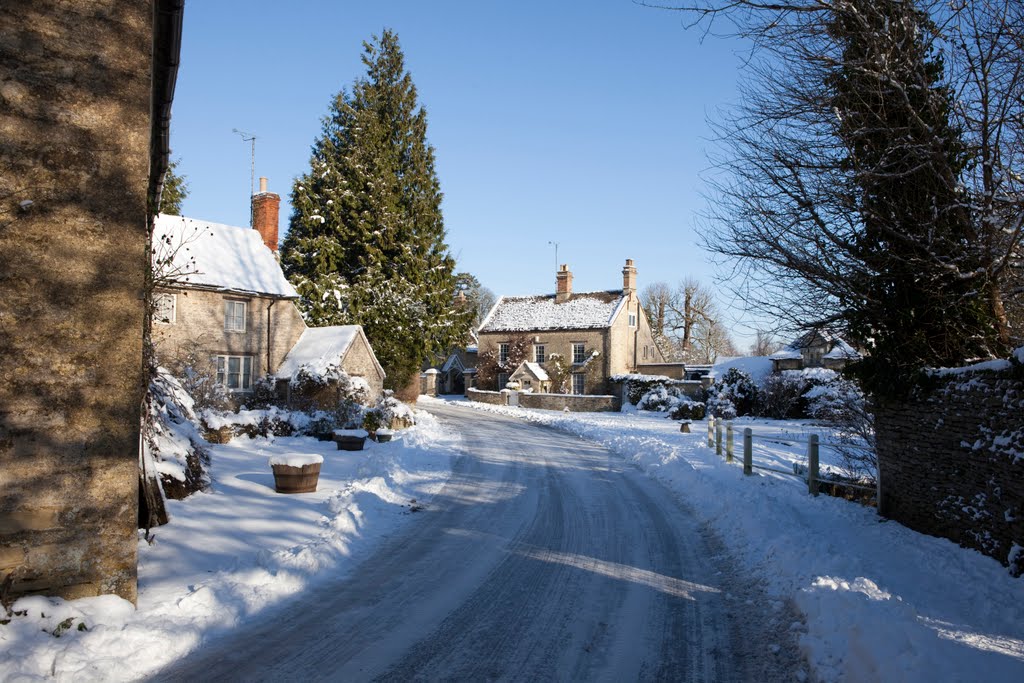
<point x="952" y="460"/>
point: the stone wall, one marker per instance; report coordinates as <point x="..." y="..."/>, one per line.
<point x="75" y="97"/>
<point x="199" y="321"/>
<point x="495" y="398"/>
<point x="575" y="403"/>
<point x="951" y="461"/>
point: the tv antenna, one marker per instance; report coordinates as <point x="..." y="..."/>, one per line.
<point x="251" y="139"/>
<point x="556" y="254"/>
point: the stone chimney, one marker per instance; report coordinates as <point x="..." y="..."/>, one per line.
<point x="563" y="284"/>
<point x="265" y="209"/>
<point x="629" y="278"/>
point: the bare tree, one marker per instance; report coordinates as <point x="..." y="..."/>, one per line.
<point x="765" y="343"/>
<point x="680" y="316"/>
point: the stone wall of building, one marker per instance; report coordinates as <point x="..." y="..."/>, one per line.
<point x="199" y="322"/>
<point x="75" y="92"/>
<point x="951" y="461"/>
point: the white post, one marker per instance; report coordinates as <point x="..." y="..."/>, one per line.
<point x="711" y="432"/>
<point x="728" y="441"/>
<point x="718" y="437"/>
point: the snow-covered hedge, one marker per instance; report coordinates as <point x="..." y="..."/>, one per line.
<point x="171" y="440"/>
<point x="733" y="395"/>
<point x="638" y="385"/>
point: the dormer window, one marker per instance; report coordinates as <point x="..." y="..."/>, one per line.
<point x="234" y="316"/>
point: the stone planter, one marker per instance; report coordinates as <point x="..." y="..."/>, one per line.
<point x="296" y="473"/>
<point x="684" y="426"/>
<point x="383" y="435"/>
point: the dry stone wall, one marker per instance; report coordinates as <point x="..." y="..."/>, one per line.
<point x="951" y="461"/>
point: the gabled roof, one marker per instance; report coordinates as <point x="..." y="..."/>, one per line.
<point x="583" y="311"/>
<point x="318" y="347"/>
<point x="207" y="255"/>
<point x="836" y="345"/>
<point x="533" y="369"/>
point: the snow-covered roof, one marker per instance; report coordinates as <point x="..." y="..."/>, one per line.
<point x="453" y="361"/>
<point x="222" y="257"/>
<point x="320" y="346"/>
<point x="585" y="310"/>
<point x="533" y="369"/>
<point x="838" y="348"/>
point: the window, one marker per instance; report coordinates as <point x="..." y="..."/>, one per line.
<point x="577" y="383"/>
<point x="234" y="316"/>
<point x="632" y="319"/>
<point x="645" y="352"/>
<point x="502" y="353"/>
<point x="579" y="352"/>
<point x="502" y="380"/>
<point x="235" y="372"/>
<point x="164" y="306"/>
<point x="538" y="354"/>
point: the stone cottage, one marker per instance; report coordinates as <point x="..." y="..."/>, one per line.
<point x="600" y="334"/>
<point x="814" y="349"/>
<point x="221" y="295"/>
<point x="85" y="96"/>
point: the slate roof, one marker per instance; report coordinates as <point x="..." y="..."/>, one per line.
<point x="838" y="348"/>
<point x="583" y="311"/>
<point x="219" y="257"/>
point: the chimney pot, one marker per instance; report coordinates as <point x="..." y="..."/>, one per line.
<point x="265" y="209"/>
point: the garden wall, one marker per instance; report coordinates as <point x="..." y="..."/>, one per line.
<point x="574" y="402"/>
<point x="495" y="398"/>
<point x="951" y="460"/>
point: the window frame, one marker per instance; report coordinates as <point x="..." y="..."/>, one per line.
<point x="539" y="354"/>
<point x="230" y="317"/>
<point x="580" y="379"/>
<point x="222" y="367"/>
<point x="502" y="380"/>
<point x="503" y="349"/>
<point x="582" y="346"/>
<point x="632" y="319"/>
<point x="157" y="296"/>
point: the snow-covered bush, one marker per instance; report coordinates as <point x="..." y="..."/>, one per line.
<point x="389" y="413"/>
<point x="196" y="374"/>
<point x="688" y="409"/>
<point x="659" y="398"/>
<point x="271" y="421"/>
<point x="637" y="385"/>
<point x="841" y="403"/>
<point x="782" y="395"/>
<point x="732" y="395"/>
<point x="331" y="389"/>
<point x="171" y="439"/>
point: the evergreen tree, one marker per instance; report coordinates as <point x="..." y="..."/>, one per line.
<point x="365" y="243"/>
<point x="175" y="190"/>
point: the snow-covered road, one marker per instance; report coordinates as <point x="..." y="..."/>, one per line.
<point x="545" y="557"/>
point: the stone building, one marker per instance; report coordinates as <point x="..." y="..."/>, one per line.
<point x="600" y="334"/>
<point x="85" y="95"/>
<point x="222" y="298"/>
<point x="814" y="349"/>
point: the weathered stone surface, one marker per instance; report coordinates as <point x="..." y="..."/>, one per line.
<point x="951" y="461"/>
<point x="74" y="141"/>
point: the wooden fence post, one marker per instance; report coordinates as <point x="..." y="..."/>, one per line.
<point x="711" y="432"/>
<point x="718" y="437"/>
<point x="728" y="441"/>
<point x="748" y="451"/>
<point x="812" y="465"/>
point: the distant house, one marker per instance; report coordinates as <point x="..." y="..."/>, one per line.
<point x="531" y="377"/>
<point x="224" y="297"/>
<point x="451" y="371"/>
<point x="814" y="349"/>
<point x="610" y="324"/>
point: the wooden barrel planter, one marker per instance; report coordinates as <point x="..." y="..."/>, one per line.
<point x="350" y="439"/>
<point x="383" y="435"/>
<point x="296" y="472"/>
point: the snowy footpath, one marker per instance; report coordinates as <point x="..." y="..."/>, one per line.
<point x="231" y="553"/>
<point x="878" y="601"/>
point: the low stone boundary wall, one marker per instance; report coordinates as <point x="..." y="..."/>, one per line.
<point x="951" y="461"/>
<point x="495" y="398"/>
<point x="574" y="402"/>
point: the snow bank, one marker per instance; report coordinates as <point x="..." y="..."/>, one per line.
<point x="296" y="459"/>
<point x="230" y="553"/>
<point x="758" y="367"/>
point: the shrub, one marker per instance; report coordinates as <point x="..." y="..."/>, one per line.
<point x="734" y="394"/>
<point x="659" y="398"/>
<point x="687" y="409"/>
<point x="782" y="395"/>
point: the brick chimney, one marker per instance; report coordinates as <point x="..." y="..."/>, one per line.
<point x="629" y="278"/>
<point x="265" y="209"/>
<point x="563" y="284"/>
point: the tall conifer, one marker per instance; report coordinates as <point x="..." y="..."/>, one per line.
<point x="365" y="242"/>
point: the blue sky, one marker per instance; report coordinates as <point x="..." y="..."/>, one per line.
<point x="582" y="123"/>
